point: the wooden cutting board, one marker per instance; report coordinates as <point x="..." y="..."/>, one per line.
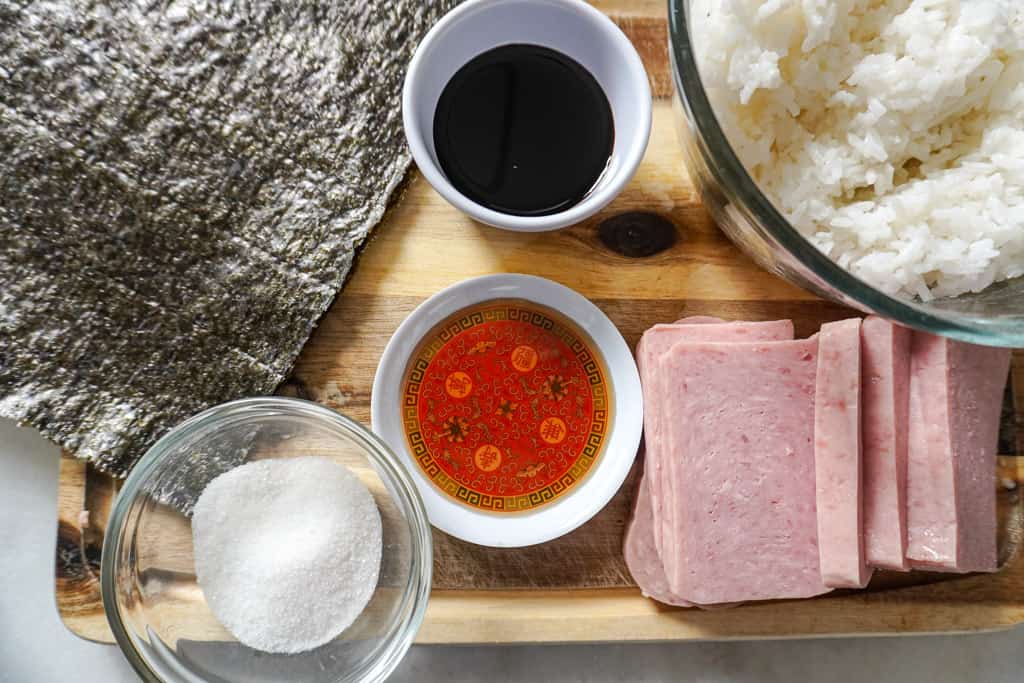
<point x="652" y="256"/>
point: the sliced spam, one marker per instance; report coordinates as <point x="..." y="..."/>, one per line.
<point x="674" y="485"/>
<point x="956" y="392"/>
<point x="654" y="343"/>
<point x="787" y="468"/>
<point x="642" y="554"/>
<point x="741" y="431"/>
<point x="885" y="395"/>
<point x="837" y="456"/>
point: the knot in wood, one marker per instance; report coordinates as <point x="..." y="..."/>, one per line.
<point x="637" y="234"/>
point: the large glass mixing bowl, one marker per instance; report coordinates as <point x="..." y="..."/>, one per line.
<point x="994" y="316"/>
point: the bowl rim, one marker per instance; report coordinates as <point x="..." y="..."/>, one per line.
<point x="400" y="634"/>
<point x="620" y="449"/>
<point x="596" y="200"/>
<point x="742" y="192"/>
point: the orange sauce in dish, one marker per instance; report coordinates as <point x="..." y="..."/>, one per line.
<point x="506" y="406"/>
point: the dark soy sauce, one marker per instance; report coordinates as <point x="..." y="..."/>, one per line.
<point x="523" y="130"/>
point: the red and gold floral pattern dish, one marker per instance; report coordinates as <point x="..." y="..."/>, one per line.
<point x="515" y="406"/>
<point x="506" y="406"/>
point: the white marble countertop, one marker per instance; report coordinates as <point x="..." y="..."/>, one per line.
<point x="35" y="646"/>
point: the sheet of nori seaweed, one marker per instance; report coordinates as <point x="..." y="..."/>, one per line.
<point x="183" y="186"/>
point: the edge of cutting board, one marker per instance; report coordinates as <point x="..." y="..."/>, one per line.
<point x="985" y="602"/>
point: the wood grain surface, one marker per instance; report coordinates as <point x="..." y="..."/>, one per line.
<point x="652" y="256"/>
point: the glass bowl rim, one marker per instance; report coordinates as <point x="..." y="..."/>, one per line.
<point x="399" y="635"/>
<point x="740" y="189"/>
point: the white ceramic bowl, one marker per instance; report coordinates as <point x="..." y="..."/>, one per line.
<point x="571" y="27"/>
<point x="605" y="477"/>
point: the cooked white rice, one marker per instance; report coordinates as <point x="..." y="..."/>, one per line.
<point x="891" y="134"/>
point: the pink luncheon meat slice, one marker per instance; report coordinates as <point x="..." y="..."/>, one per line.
<point x="652" y="345"/>
<point x="956" y="392"/>
<point x="665" y="486"/>
<point x="837" y="456"/>
<point x="641" y="556"/>
<point x="885" y="393"/>
<point x="741" y="431"/>
<point x="640" y="548"/>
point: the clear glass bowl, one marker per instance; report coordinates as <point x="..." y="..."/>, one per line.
<point x="994" y="316"/>
<point x="157" y="610"/>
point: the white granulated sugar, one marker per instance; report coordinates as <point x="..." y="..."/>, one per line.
<point x="287" y="551"/>
<point x="889" y="133"/>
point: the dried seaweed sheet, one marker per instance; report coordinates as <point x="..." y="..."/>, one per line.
<point x="183" y="186"/>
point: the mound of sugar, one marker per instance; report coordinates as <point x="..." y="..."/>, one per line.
<point x="287" y="551"/>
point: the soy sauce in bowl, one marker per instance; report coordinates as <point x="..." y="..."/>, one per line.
<point x="523" y="130"/>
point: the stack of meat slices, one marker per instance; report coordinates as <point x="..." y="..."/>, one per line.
<point x="782" y="468"/>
